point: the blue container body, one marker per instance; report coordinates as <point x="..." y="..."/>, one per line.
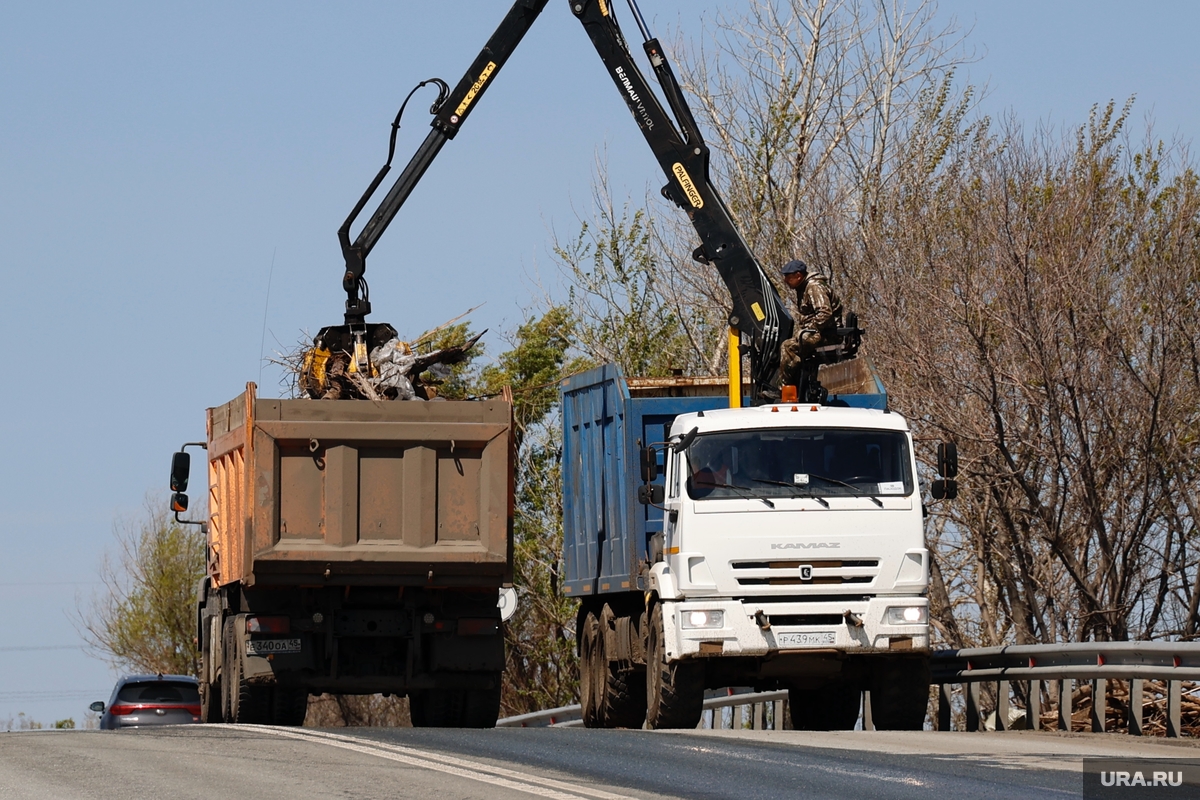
<point x="605" y="529"/>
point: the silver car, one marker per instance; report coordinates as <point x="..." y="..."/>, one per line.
<point x="143" y="700"/>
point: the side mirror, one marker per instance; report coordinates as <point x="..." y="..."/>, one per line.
<point x="947" y="455"/>
<point x="649" y="464"/>
<point x="651" y="494"/>
<point x="944" y="489"/>
<point x="179" y="502"/>
<point x="181" y="467"/>
<point x="97" y="706"/>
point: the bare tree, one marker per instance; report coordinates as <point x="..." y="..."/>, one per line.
<point x="1033" y="300"/>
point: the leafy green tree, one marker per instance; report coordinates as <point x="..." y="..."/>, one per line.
<point x="541" y="670"/>
<point x="144" y="618"/>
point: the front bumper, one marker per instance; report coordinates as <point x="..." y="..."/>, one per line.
<point x="742" y="635"/>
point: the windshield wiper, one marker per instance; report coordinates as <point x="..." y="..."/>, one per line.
<point x="872" y="498"/>
<point x="792" y="486"/>
<point x="744" y="489"/>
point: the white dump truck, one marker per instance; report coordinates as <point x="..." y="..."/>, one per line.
<point x="779" y="547"/>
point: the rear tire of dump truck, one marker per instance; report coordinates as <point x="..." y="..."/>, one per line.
<point x="210" y="693"/>
<point x="241" y="702"/>
<point x="900" y="695"/>
<point x="455" y="708"/>
<point x="833" y="707"/>
<point x="481" y="707"/>
<point x="674" y="690"/>
<point x="289" y="706"/>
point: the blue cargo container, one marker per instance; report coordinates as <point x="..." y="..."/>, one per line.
<point x="605" y="529"/>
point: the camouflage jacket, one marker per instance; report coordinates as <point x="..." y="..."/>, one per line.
<point x="819" y="307"/>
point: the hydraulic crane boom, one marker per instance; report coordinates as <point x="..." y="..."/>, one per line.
<point x="756" y="308"/>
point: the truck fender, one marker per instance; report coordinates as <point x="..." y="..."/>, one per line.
<point x="913" y="571"/>
<point x="257" y="669"/>
<point x="662" y="582"/>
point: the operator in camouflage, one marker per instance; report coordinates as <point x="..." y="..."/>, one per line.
<point x="817" y="323"/>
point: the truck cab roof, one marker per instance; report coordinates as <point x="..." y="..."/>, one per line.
<point x="789" y="415"/>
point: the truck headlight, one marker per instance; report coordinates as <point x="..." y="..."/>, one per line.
<point x="906" y="615"/>
<point x="703" y="619"/>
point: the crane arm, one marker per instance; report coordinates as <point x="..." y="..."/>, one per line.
<point x="756" y="308"/>
<point x="450" y="113"/>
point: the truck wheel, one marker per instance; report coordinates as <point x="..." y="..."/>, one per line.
<point x="210" y="694"/>
<point x="481" y="707"/>
<point x="289" y="706"/>
<point x="831" y="708"/>
<point x="455" y="708"/>
<point x="674" y="690"/>
<point x="416" y="708"/>
<point x="624" y="690"/>
<point x="242" y="703"/>
<point x="900" y="695"/>
<point x="591" y="666"/>
<point x="436" y="708"/>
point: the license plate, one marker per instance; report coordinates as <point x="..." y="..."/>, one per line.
<point x="811" y="639"/>
<point x="263" y="647"/>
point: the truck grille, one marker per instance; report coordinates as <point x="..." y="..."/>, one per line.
<point x="803" y="573"/>
<point x="825" y="620"/>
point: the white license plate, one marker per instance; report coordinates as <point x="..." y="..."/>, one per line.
<point x="811" y="639"/>
<point x="263" y="647"/>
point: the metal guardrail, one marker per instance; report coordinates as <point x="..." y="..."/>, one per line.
<point x="561" y="717"/>
<point x="757" y="703"/>
<point x="1058" y="664"/>
<point x="1061" y="665"/>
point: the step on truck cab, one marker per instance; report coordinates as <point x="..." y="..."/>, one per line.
<point x="354" y="547"/>
<point x="779" y="547"/>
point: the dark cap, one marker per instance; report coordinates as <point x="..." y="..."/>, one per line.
<point x="795" y="266"/>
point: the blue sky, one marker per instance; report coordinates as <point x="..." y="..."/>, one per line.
<point x="157" y="159"/>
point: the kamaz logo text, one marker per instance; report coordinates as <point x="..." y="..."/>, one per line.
<point x="634" y="101"/>
<point x="806" y="545"/>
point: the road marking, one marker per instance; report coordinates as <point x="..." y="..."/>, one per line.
<point x="453" y="765"/>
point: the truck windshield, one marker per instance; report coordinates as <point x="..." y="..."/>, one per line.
<point x="799" y="463"/>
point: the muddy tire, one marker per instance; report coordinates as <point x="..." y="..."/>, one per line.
<point x="831" y="708"/>
<point x="289" y="706"/>
<point x="900" y="695"/>
<point x="624" y="689"/>
<point x="591" y="672"/>
<point x="675" y="690"/>
<point x="210" y="696"/>
<point x="455" y="708"/>
<point x="243" y="703"/>
<point x="481" y="707"/>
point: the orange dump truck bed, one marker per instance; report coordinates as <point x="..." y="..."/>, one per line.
<point x="331" y="492"/>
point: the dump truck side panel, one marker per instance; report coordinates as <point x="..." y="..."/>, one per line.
<point x="355" y="491"/>
<point x="605" y="529"/>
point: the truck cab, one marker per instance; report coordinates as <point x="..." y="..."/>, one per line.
<point x="793" y="527"/>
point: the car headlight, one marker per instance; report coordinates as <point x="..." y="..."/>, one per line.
<point x="906" y="615"/>
<point x="703" y="619"/>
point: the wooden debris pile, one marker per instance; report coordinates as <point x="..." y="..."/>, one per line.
<point x="1154" y="715"/>
<point x="339" y="365"/>
<point x="393" y="372"/>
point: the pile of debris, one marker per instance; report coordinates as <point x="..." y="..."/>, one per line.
<point x="1117" y="703"/>
<point x="372" y="363"/>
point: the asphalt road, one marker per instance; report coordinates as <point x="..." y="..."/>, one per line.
<point x="228" y="761"/>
